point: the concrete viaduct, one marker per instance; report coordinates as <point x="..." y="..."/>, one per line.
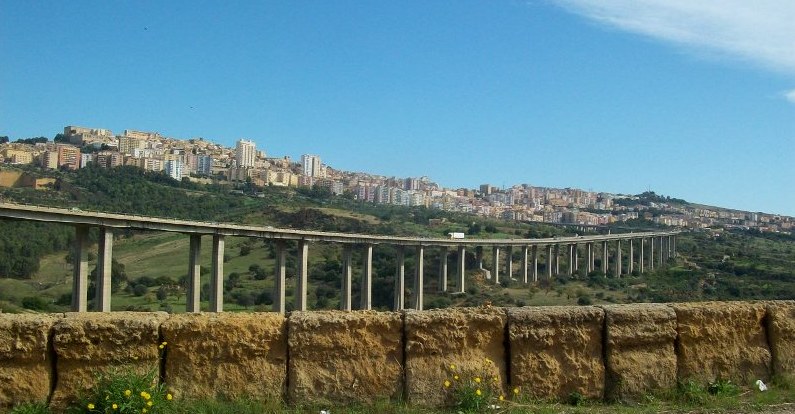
<point x="644" y="249"/>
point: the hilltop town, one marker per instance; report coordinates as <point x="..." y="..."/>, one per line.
<point x="203" y="161"/>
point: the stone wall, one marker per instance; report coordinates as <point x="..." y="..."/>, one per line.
<point x="616" y="351"/>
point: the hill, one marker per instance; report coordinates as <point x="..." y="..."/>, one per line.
<point x="150" y="268"/>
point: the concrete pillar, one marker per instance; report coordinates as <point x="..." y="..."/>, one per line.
<point x="400" y="279"/>
<point x="217" y="275"/>
<point x="605" y="257"/>
<point x="367" y="277"/>
<point x="80" y="270"/>
<point x="193" y="294"/>
<point x="618" y="258"/>
<point x="346" y="299"/>
<point x="535" y="263"/>
<point x="509" y="262"/>
<point x="302" y="278"/>
<point x="557" y="259"/>
<point x="461" y="268"/>
<point x="631" y="256"/>
<point x="571" y="259"/>
<point x="524" y="264"/>
<point x="640" y="256"/>
<point x="418" y="275"/>
<point x="104" y="259"/>
<point x="479" y="256"/>
<point x="443" y="270"/>
<point x="674" y="244"/>
<point x="589" y="257"/>
<point x="670" y="247"/>
<point x="660" y="250"/>
<point x="280" y="276"/>
<point x="576" y="257"/>
<point x="495" y="271"/>
<point x="651" y="253"/>
<point x="549" y="261"/>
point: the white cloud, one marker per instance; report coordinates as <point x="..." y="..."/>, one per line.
<point x="758" y="31"/>
<point x="790" y="96"/>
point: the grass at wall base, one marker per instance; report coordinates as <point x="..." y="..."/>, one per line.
<point x="719" y="396"/>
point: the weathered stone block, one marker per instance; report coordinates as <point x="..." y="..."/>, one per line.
<point x="556" y="351"/>
<point x="88" y="343"/>
<point x="640" y="354"/>
<point x="472" y="340"/>
<point x="781" y="335"/>
<point x="722" y="340"/>
<point x="226" y="355"/>
<point x="345" y="356"/>
<point x="25" y="363"/>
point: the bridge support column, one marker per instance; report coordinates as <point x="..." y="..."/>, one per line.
<point x="589" y="257"/>
<point x="674" y="243"/>
<point x="651" y="253"/>
<point x="576" y="257"/>
<point x="479" y="256"/>
<point x="524" y="264"/>
<point x="302" y="278"/>
<point x="605" y="258"/>
<point x="80" y="270"/>
<point x="418" y="281"/>
<point x="640" y="255"/>
<point x="217" y="276"/>
<point x="631" y="256"/>
<point x="400" y="279"/>
<point x="557" y="259"/>
<point x="571" y="259"/>
<point x="461" y="268"/>
<point x="367" y="277"/>
<point x="104" y="259"/>
<point x="535" y="263"/>
<point x="549" y="261"/>
<point x="619" y="259"/>
<point x="280" y="276"/>
<point x="509" y="262"/>
<point x="495" y="265"/>
<point x="193" y="295"/>
<point x="443" y="270"/>
<point x="660" y="249"/>
<point x="346" y="300"/>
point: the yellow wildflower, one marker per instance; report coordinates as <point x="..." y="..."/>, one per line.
<point x="90" y="406"/>
<point x="169" y="397"/>
<point x="455" y="377"/>
<point x="477" y="391"/>
<point x="161" y="346"/>
<point x="495" y="379"/>
<point x="446" y="383"/>
<point x="127" y="393"/>
<point x="452" y="366"/>
<point x="502" y="397"/>
<point x="115" y="406"/>
<point x="477" y="379"/>
<point x="143" y="410"/>
<point x="164" y="343"/>
<point x="516" y="390"/>
<point x="149" y="403"/>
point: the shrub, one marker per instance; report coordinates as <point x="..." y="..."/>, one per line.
<point x="121" y="391"/>
<point x="474" y="390"/>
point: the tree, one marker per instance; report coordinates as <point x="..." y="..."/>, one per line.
<point x="3" y="139"/>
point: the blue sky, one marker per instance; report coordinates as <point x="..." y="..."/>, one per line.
<point x="692" y="99"/>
